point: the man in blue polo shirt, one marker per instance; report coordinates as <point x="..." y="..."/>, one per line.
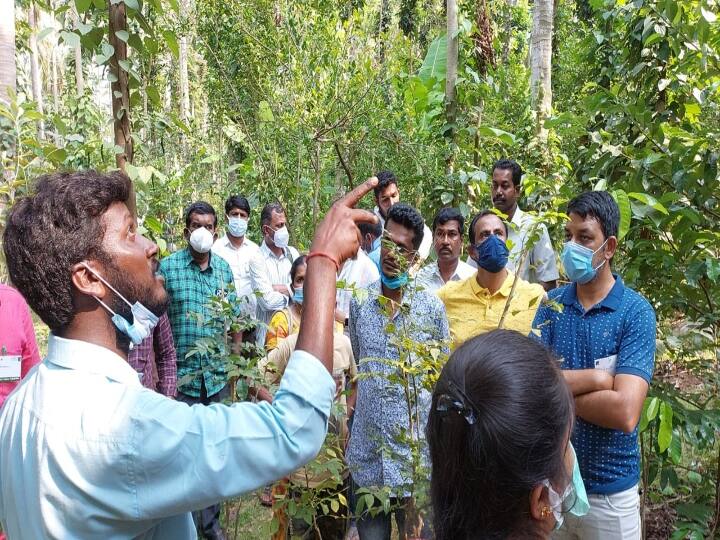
<point x="605" y="336"/>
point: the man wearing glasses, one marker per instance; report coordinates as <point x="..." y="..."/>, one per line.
<point x="394" y="309"/>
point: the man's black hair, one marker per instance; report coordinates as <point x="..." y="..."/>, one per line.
<point x="374" y="229"/>
<point x="385" y="178"/>
<point x="471" y="229"/>
<point x="202" y="208"/>
<point x="237" y="201"/>
<point x="405" y="215"/>
<point x="267" y="212"/>
<point x="58" y="226"/>
<point x="449" y="214"/>
<point x="510" y="165"/>
<point x="600" y="206"/>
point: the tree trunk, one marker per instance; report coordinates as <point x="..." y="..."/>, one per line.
<point x="541" y="65"/>
<point x="8" y="72"/>
<point x="35" y="79"/>
<point x="507" y="30"/>
<point x="79" y="77"/>
<point x="451" y="80"/>
<point x="120" y="92"/>
<point x="183" y="64"/>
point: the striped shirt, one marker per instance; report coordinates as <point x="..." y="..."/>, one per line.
<point x="190" y="291"/>
<point x="266" y="270"/>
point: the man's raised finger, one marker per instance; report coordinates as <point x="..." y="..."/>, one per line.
<point x="352" y="198"/>
<point x="362" y="216"/>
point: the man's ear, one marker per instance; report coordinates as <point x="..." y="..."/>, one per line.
<point x="86" y="282"/>
<point x="611" y="247"/>
<point x="186" y="234"/>
<point x="471" y="252"/>
<point x="519" y="190"/>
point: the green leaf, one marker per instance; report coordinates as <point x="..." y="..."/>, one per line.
<point x="171" y="41"/>
<point x="45" y="32"/>
<point x="708" y="15"/>
<point x="446" y="197"/>
<point x="264" y="112"/>
<point x="665" y="433"/>
<point x="84" y="28"/>
<point x="132" y="171"/>
<point x="82" y="5"/>
<point x="435" y="64"/>
<point x="133" y="4"/>
<point x="70" y="38"/>
<point x="503" y="136"/>
<point x="713" y="269"/>
<point x="650" y="201"/>
<point x="699" y="513"/>
<point x="123" y="35"/>
<point x="107" y="51"/>
<point x="623" y="202"/>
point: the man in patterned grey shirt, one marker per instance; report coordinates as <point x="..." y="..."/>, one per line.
<point x="376" y="454"/>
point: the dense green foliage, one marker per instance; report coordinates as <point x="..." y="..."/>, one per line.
<point x="299" y="101"/>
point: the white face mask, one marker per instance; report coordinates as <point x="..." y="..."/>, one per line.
<point x="281" y="238"/>
<point x="201" y="240"/>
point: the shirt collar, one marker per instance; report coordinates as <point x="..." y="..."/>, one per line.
<point x="84" y="356"/>
<point x="267" y="252"/>
<point x="518" y="216"/>
<point x="611" y="301"/>
<point x="504" y="289"/>
<point x="189" y="261"/>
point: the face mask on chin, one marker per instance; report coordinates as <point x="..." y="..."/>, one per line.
<point x="144" y="320"/>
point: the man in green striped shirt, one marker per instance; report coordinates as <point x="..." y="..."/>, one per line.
<point x="192" y="277"/>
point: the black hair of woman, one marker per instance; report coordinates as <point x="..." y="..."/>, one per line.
<point x="499" y="426"/>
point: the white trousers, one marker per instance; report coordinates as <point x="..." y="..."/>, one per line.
<point x="611" y="517"/>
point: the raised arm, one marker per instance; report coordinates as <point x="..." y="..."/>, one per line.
<point x="337" y="238"/>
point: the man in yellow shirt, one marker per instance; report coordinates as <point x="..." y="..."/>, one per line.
<point x="476" y="304"/>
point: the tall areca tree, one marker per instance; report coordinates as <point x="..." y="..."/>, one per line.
<point x="541" y="64"/>
<point x="7" y="49"/>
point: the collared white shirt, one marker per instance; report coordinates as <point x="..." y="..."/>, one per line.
<point x="431" y="279"/>
<point x="540" y="264"/>
<point x="266" y="270"/>
<point x="425" y="245"/>
<point x="239" y="261"/>
<point x="87" y="452"/>
<point x="356" y="273"/>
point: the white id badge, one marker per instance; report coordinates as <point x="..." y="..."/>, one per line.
<point x="10" y="368"/>
<point x="607" y="364"/>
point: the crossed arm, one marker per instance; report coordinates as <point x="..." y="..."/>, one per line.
<point x="613" y="402"/>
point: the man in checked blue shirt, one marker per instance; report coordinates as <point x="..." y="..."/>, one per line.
<point x="85" y="450"/>
<point x="605" y="336"/>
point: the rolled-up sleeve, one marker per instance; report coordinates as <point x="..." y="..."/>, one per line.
<point x="190" y="457"/>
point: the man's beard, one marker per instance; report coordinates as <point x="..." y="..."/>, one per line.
<point x="132" y="293"/>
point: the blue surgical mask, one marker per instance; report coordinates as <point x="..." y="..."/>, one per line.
<point x="376" y="244"/>
<point x="390" y="282"/>
<point x="237" y="226"/>
<point x="297" y="297"/>
<point x="578" y="262"/>
<point x="144" y="320"/>
<point x="492" y="254"/>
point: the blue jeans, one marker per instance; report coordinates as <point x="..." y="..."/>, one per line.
<point x="380" y="526"/>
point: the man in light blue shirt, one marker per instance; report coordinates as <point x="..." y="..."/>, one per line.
<point x="85" y="450"/>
